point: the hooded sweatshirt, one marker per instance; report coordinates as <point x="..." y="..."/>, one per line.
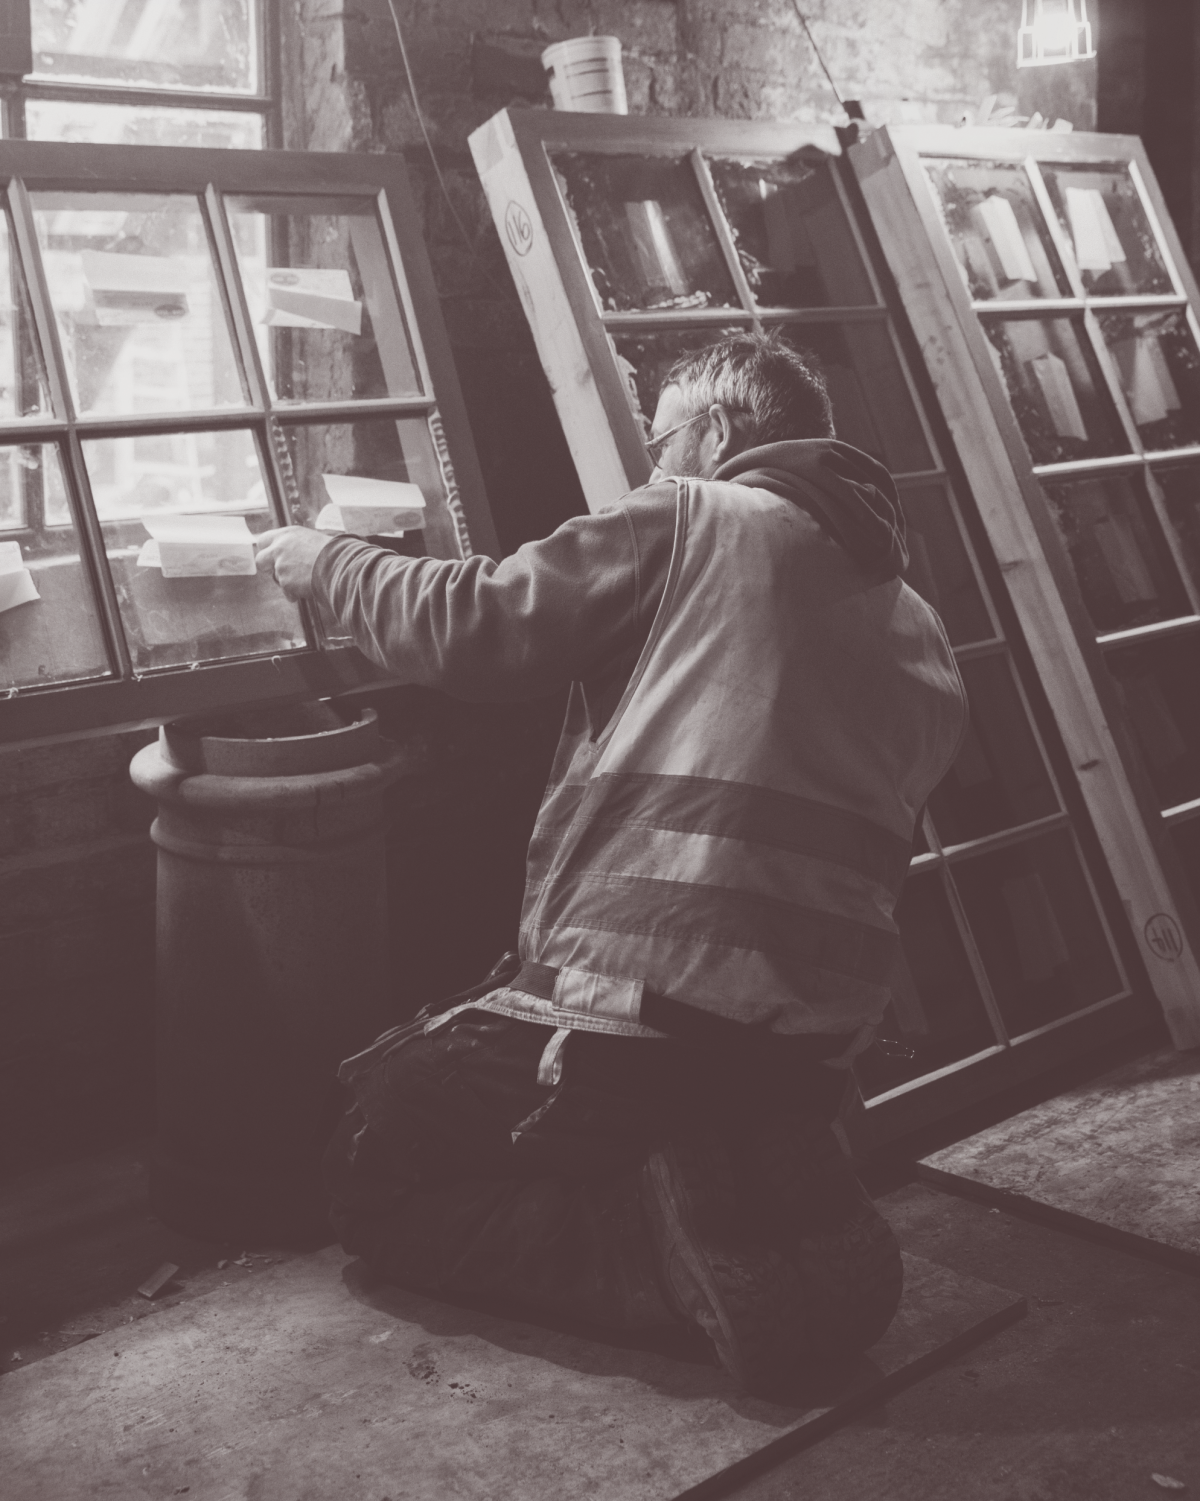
<point x="760" y="708"/>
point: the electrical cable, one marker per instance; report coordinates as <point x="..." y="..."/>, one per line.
<point x="812" y="42"/>
<point x="412" y="89"/>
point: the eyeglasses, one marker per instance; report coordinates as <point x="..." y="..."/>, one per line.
<point x="654" y="446"/>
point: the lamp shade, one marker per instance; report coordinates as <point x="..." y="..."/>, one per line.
<point x="1053" y="31"/>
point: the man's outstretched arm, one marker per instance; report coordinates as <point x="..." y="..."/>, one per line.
<point x="553" y="612"/>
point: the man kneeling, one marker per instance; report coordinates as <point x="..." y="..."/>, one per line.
<point x="629" y="1122"/>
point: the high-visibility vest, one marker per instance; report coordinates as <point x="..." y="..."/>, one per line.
<point x="736" y="836"/>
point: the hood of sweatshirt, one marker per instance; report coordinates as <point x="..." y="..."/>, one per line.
<point x="847" y="493"/>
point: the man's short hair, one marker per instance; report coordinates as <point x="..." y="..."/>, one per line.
<point x="771" y="392"/>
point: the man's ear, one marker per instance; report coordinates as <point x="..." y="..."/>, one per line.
<point x="729" y="440"/>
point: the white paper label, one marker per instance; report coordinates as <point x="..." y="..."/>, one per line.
<point x="1059" y="396"/>
<point x="1097" y="245"/>
<point x="374" y="507"/>
<point x="304" y="297"/>
<point x="1000" y="223"/>
<point x="124" y="290"/>
<point x="197" y="546"/>
<point x="16" y="582"/>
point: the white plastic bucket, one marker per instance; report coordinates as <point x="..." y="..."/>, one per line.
<point x="585" y="75"/>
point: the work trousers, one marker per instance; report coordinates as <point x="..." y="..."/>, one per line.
<point x="457" y="1172"/>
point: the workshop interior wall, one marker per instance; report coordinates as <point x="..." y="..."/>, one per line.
<point x="906" y="60"/>
<point x="76" y="862"/>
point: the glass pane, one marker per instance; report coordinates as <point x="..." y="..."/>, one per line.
<point x="147" y="473"/>
<point x="135" y="293"/>
<point x="1125" y="571"/>
<point x="936" y="1009"/>
<point x="1158" y="365"/>
<point x="141" y="125"/>
<point x="401" y="452"/>
<point x="322" y="298"/>
<point x="791" y="232"/>
<point x="1036" y="926"/>
<point x="645" y="232"/>
<point x="1107" y="229"/>
<point x="1003" y="247"/>
<point x="872" y="406"/>
<point x="162" y="44"/>
<point x="645" y="358"/>
<point x="22" y="378"/>
<point x="1056" y="389"/>
<point x="49" y="624"/>
<point x="1181" y="491"/>
<point x="998" y="779"/>
<point x="939" y="567"/>
<point x="1158" y="685"/>
<point x="193" y="596"/>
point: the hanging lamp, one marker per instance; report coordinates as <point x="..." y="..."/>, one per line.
<point x="1053" y="31"/>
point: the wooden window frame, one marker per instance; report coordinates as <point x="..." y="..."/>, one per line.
<point x="1000" y="469"/>
<point x="128" y="698"/>
<point x="571" y="330"/>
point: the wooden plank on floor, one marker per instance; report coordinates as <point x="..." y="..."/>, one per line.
<point x="1116" y="1159"/>
<point x="308" y="1382"/>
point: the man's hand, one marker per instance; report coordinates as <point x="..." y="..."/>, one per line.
<point x="288" y="554"/>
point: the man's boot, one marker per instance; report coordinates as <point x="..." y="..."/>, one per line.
<point x="772" y="1247"/>
<point x="714" y="1272"/>
<point x="821" y="1217"/>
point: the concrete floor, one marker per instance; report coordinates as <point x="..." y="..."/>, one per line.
<point x="1096" y="1390"/>
<point x="1089" y="1396"/>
